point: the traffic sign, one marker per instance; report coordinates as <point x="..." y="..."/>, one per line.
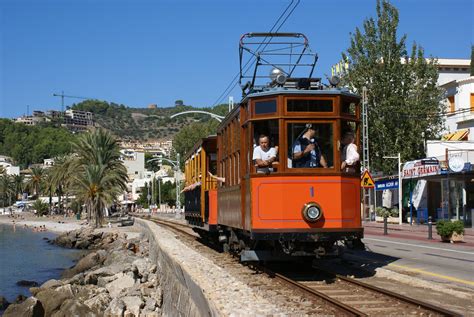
<point x="367" y="181"/>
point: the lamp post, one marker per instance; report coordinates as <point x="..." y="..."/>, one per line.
<point x="399" y="185"/>
<point x="176" y="168"/>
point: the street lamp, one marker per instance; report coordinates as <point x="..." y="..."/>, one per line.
<point x="176" y="168"/>
<point x="399" y="185"/>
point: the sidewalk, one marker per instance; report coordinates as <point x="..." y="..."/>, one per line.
<point x="415" y="232"/>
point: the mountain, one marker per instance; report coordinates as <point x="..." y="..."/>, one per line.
<point x="143" y="124"/>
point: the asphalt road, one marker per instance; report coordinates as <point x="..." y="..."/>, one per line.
<point x="440" y="263"/>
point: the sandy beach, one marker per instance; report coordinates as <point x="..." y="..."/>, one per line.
<point x="56" y="224"/>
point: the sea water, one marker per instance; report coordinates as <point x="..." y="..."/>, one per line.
<point x="25" y="255"/>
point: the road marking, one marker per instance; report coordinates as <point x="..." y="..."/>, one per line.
<point x="420" y="246"/>
<point x="454" y="279"/>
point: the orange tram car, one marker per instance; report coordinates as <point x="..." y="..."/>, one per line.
<point x="297" y="203"/>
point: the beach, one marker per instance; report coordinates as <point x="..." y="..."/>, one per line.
<point x="57" y="224"/>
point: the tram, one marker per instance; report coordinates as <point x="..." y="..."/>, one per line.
<point x="303" y="200"/>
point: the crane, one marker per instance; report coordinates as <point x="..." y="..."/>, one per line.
<point x="62" y="95"/>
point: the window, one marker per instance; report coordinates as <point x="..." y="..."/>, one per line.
<point x="264" y="107"/>
<point x="451" y="103"/>
<point x="264" y="150"/>
<point x="310" y="145"/>
<point x="350" y="157"/>
<point x="349" y="107"/>
<point x="306" y="105"/>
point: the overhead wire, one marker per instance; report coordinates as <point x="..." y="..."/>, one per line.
<point x="246" y="66"/>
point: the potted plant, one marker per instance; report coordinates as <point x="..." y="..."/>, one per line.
<point x="452" y="231"/>
<point x="380" y="213"/>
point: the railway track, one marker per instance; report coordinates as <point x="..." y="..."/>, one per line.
<point x="347" y="296"/>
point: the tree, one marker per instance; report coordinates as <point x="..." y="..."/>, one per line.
<point x="61" y="179"/>
<point x="185" y="139"/>
<point x="19" y="185"/>
<point x="36" y="180"/>
<point x="404" y="101"/>
<point x="6" y="189"/>
<point x="100" y="174"/>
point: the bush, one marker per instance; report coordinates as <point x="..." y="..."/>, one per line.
<point x="394" y="212"/>
<point x="445" y="228"/>
<point x="40" y="207"/>
<point x="382" y="212"/>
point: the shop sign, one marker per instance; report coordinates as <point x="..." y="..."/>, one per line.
<point x="386" y="184"/>
<point x="419" y="168"/>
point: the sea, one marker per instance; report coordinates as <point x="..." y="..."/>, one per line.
<point x="26" y="255"/>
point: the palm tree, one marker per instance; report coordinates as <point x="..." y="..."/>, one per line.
<point x="36" y="180"/>
<point x="19" y="185"/>
<point x="62" y="176"/>
<point x="100" y="174"/>
<point x="7" y="190"/>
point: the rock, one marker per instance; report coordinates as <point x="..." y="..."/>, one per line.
<point x="67" y="289"/>
<point x="3" y="303"/>
<point x="52" y="300"/>
<point x="99" y="303"/>
<point x="133" y="304"/>
<point x="151" y="304"/>
<point x="116" y="308"/>
<point x="158" y="296"/>
<point x="88" y="291"/>
<point x="31" y="307"/>
<point x="64" y="241"/>
<point x="86" y="263"/>
<point x="82" y="244"/>
<point x="153" y="268"/>
<point x="27" y="283"/>
<point x="149" y="313"/>
<point x="90" y="278"/>
<point x="102" y="281"/>
<point x="34" y="290"/>
<point x="73" y="307"/>
<point x="76" y="279"/>
<point x="123" y="281"/>
<point x="142" y="265"/>
<point x="20" y="299"/>
<point x="52" y="284"/>
<point x="144" y="278"/>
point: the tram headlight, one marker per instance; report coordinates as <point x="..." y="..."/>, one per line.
<point x="312" y="212"/>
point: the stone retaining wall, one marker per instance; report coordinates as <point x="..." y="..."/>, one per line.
<point x="182" y="295"/>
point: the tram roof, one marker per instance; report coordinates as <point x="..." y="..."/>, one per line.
<point x="292" y="91"/>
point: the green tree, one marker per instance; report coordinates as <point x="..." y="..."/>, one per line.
<point x="7" y="189"/>
<point x="61" y="177"/>
<point x="185" y="139"/>
<point x="100" y="174"/>
<point x="19" y="185"/>
<point x="404" y="101"/>
<point x="36" y="180"/>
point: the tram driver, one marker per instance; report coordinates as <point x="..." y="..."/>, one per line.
<point x="264" y="155"/>
<point x="306" y="151"/>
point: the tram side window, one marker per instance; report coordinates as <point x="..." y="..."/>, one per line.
<point x="349" y="152"/>
<point x="310" y="145"/>
<point x="265" y="154"/>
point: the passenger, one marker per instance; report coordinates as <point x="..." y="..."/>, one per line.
<point x="264" y="155"/>
<point x="217" y="178"/>
<point x="349" y="154"/>
<point x="306" y="151"/>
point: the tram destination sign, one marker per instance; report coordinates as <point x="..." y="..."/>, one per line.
<point x="386" y="184"/>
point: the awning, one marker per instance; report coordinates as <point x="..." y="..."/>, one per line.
<point x="459" y="135"/>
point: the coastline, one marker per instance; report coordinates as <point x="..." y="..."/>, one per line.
<point x="55" y="224"/>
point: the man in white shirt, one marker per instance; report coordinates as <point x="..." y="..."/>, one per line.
<point x="349" y="154"/>
<point x="264" y="155"/>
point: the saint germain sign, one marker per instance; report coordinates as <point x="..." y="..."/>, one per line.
<point x="421" y="168"/>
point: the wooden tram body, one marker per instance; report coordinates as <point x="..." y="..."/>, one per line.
<point x="262" y="215"/>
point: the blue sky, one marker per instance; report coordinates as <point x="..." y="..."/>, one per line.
<point x="138" y="52"/>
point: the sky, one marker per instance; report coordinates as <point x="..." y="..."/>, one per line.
<point x="142" y="52"/>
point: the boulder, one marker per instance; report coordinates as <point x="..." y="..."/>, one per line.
<point x="86" y="263"/>
<point x="76" y="279"/>
<point x="34" y="290"/>
<point x="73" y="307"/>
<point x="133" y="304"/>
<point x="3" y="303"/>
<point x="142" y="265"/>
<point x="102" y="281"/>
<point x="52" y="284"/>
<point x="151" y="304"/>
<point x="68" y="290"/>
<point x="20" y="299"/>
<point x="31" y="307"/>
<point x="27" y="283"/>
<point x="64" y="241"/>
<point x="123" y="281"/>
<point x="83" y="244"/>
<point x="52" y="300"/>
<point x="99" y="303"/>
<point x="149" y="313"/>
<point x="88" y="291"/>
<point x="116" y="308"/>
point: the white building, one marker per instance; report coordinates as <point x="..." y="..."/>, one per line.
<point x="10" y="169"/>
<point x="460" y="109"/>
<point x="134" y="161"/>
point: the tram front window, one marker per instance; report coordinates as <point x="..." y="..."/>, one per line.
<point x="310" y="145"/>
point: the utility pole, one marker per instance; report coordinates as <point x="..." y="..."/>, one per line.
<point x="367" y="192"/>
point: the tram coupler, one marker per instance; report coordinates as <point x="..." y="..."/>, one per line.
<point x="430" y="228"/>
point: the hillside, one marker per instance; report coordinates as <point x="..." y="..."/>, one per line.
<point x="143" y="124"/>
